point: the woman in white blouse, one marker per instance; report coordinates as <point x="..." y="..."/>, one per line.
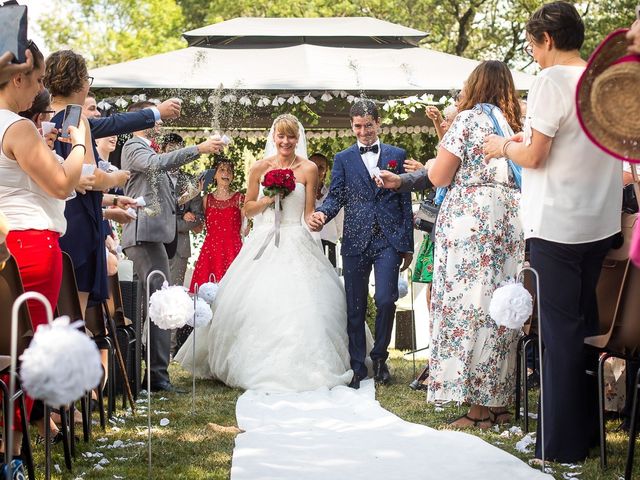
<point x="570" y="211"/>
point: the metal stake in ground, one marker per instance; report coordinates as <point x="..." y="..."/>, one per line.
<point x="148" y="366"/>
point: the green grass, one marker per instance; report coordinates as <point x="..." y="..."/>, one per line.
<point x="187" y="449"/>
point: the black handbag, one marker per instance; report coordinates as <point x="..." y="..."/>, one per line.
<point x="426" y="216"/>
<point x="13" y="30"/>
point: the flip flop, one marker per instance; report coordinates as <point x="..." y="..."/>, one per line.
<point x="500" y="417"/>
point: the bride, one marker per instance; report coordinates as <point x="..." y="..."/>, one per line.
<point x="279" y="319"/>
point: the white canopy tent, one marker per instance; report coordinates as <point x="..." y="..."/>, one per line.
<point x="286" y="56"/>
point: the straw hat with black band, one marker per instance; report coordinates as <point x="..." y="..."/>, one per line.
<point x="608" y="98"/>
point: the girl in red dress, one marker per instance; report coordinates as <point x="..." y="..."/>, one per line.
<point x="223" y="215"/>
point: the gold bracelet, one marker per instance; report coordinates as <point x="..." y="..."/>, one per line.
<point x="504" y="148"/>
<point x="115" y="200"/>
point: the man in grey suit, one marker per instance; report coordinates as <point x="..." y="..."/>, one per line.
<point x="143" y="239"/>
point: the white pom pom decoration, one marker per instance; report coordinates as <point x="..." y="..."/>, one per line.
<point x="170" y="307"/>
<point x="208" y="291"/>
<point x="511" y="305"/>
<point x="61" y="363"/>
<point x="403" y="287"/>
<point x="203" y="314"/>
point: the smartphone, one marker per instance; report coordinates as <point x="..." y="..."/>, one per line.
<point x="72" y="115"/>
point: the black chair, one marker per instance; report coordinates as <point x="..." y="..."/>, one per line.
<point x="10" y="289"/>
<point x="69" y="304"/>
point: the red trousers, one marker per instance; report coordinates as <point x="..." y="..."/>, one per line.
<point x="39" y="260"/>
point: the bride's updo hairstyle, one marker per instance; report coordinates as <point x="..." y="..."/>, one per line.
<point x="287" y="124"/>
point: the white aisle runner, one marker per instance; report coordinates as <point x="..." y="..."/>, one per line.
<point x="345" y="434"/>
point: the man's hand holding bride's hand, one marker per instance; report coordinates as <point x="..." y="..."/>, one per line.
<point x="316" y="221"/>
<point x="407" y="257"/>
<point x="388" y="179"/>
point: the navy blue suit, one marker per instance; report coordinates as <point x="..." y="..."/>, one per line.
<point x="121" y="123"/>
<point x="378" y="229"/>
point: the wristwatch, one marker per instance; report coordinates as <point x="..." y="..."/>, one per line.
<point x="115" y="200"/>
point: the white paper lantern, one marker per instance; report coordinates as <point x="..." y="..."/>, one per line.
<point x="511" y="305"/>
<point x="170" y="307"/>
<point x="203" y="314"/>
<point x="208" y="291"/>
<point x="61" y="363"/>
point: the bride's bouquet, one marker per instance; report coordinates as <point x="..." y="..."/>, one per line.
<point x="279" y="182"/>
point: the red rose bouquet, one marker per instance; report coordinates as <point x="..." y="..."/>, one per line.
<point x="279" y="182"/>
<point x="392" y="166"/>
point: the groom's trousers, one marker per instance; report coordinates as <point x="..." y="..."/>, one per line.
<point x="385" y="261"/>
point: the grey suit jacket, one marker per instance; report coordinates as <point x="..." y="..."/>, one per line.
<point x="149" y="179"/>
<point x="184" y="240"/>
<point x="414" y="181"/>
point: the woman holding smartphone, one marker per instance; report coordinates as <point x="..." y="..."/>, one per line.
<point x="33" y="186"/>
<point x="68" y="81"/>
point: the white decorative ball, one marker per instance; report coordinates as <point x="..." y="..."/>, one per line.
<point x="511" y="305"/>
<point x="403" y="287"/>
<point x="61" y="363"/>
<point x="208" y="291"/>
<point x="203" y="314"/>
<point x="170" y="307"/>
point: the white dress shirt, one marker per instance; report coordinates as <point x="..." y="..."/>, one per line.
<point x="370" y="159"/>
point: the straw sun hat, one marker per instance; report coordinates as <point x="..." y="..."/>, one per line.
<point x="608" y="98"/>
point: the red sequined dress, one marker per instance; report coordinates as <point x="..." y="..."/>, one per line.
<point x="222" y="241"/>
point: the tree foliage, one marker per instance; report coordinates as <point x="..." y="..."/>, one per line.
<point x="110" y="31"/>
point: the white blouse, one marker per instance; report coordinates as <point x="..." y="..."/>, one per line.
<point x="576" y="196"/>
<point x="25" y="204"/>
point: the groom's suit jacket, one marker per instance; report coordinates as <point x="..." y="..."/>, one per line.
<point x="366" y="205"/>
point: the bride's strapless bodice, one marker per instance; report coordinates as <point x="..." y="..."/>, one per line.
<point x="292" y="208"/>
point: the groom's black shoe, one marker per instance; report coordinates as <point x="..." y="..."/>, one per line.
<point x="381" y="372"/>
<point x="355" y="381"/>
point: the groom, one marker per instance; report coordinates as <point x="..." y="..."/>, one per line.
<point x="378" y="234"/>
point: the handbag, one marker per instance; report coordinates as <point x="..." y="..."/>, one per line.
<point x="516" y="170"/>
<point x="426" y="216"/>
<point x="13" y="30"/>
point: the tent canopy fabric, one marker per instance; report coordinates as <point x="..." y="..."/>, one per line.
<point x="303" y="68"/>
<point x="327" y="31"/>
<point x="292" y="56"/>
<point x="395" y="68"/>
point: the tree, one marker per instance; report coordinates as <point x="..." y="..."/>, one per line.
<point x="112" y="31"/>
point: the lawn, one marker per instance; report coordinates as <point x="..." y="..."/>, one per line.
<point x="188" y="448"/>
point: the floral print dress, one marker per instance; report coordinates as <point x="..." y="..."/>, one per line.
<point x="479" y="244"/>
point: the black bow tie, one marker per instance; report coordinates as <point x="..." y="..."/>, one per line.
<point x="371" y="148"/>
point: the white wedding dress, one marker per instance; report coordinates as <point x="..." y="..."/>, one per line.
<point x="279" y="322"/>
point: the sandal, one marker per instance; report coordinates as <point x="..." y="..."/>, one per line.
<point x="475" y="422"/>
<point x="500" y="416"/>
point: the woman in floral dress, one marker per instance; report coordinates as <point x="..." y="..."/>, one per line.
<point x="478" y="245"/>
